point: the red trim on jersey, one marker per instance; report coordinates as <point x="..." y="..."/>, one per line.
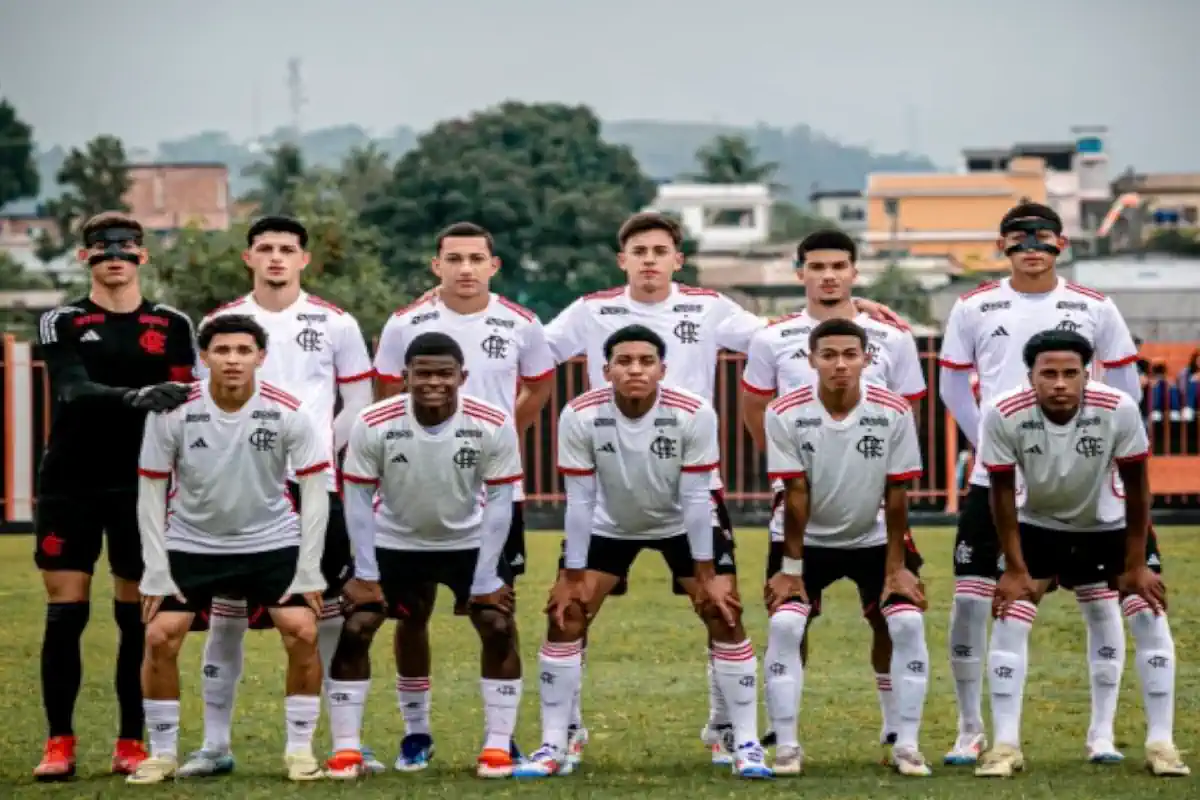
<point x="182" y="373"/>
<point x="576" y="472"/>
<point x="539" y="378"/>
<point x="226" y="306"/>
<point x="520" y="310"/>
<point x="792" y="399"/>
<point x="320" y="466"/>
<point x="783" y="319"/>
<point x="605" y="294"/>
<point x="702" y="467"/>
<point x="752" y="389"/>
<point x="592" y="398"/>
<point x="361" y="481"/>
<point x="362" y="376"/>
<point x="1008" y="406"/>
<point x="490" y="414"/>
<point x="670" y="399"/>
<point x="902" y="477"/>
<point x="1133" y="459"/>
<point x="785" y="476"/>
<point x="916" y="398"/>
<point x="399" y="312"/>
<point x="1085" y="291"/>
<point x="386" y="378"/>
<point x="273" y="392"/>
<point x="1120" y="362"/>
<point x="1102" y="399"/>
<point x="377" y="416"/>
<point x="1016" y="409"/>
<point x="154" y="474"/>
<point x="1000" y="467"/>
<point x="503" y="481"/>
<point x="877" y="394"/>
<point x="948" y="364"/>
<point x="323" y="303"/>
<point x="696" y="291"/>
<point x="986" y="286"/>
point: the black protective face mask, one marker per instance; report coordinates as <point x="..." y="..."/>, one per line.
<point x="1029" y="228"/>
<point x="114" y="241"/>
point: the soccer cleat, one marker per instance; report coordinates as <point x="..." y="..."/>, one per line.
<point x="372" y="764"/>
<point x="1104" y="752"/>
<point x="206" y="764"/>
<point x="494" y="763"/>
<point x="58" y="760"/>
<point x="127" y="754"/>
<point x="768" y="739"/>
<point x="544" y="762"/>
<point x="887" y="743"/>
<point x="577" y="739"/>
<point x="910" y="763"/>
<point x="967" y="749"/>
<point x="303" y="767"/>
<point x="719" y="739"/>
<point x="155" y="769"/>
<point x="1002" y="761"/>
<point x="416" y="750"/>
<point x="750" y="761"/>
<point x="1163" y="760"/>
<point x="788" y="760"/>
<point x="346" y="765"/>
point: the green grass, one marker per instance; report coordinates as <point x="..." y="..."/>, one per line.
<point x="645" y="700"/>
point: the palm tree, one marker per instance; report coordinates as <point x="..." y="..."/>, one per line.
<point x="732" y="159"/>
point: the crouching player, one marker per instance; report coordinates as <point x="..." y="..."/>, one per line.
<point x="840" y="447"/>
<point x="1066" y="435"/>
<point x="431" y="454"/>
<point x="637" y="458"/>
<point x="232" y="533"/>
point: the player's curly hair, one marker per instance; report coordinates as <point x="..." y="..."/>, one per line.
<point x="827" y="239"/>
<point x="231" y="323"/>
<point x="836" y="327"/>
<point x="634" y="333"/>
<point x="433" y="343"/>
<point x="1056" y="341"/>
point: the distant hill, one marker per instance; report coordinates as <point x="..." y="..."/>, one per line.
<point x="666" y="150"/>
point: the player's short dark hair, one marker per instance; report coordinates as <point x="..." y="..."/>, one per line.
<point x="1032" y="211"/>
<point x="231" y="323"/>
<point x="433" y="343"/>
<point x="827" y="239"/>
<point x="646" y="221"/>
<point x="1056" y="341"/>
<point x="465" y="230"/>
<point x="634" y="333"/>
<point x="108" y="220"/>
<point x="836" y="327"/>
<point x="277" y="224"/>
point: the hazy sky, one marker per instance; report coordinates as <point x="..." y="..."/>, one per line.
<point x="934" y="75"/>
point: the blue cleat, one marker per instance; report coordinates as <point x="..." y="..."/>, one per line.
<point x="545" y="762"/>
<point x="206" y="764"/>
<point x="416" y="750"/>
<point x="750" y="761"/>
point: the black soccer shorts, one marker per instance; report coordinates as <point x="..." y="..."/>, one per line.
<point x="865" y="567"/>
<point x="405" y="575"/>
<point x="71" y="532"/>
<point x="261" y="578"/>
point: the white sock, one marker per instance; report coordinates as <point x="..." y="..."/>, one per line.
<point x="910" y="671"/>
<point x="501" y="700"/>
<point x="301" y="712"/>
<point x="1008" y="662"/>
<point x="968" y="643"/>
<point x="1106" y="656"/>
<point x="346" y="701"/>
<point x="413" y="699"/>
<point x="718" y="714"/>
<point x="1154" y="649"/>
<point x="561" y="666"/>
<point x="222" y="671"/>
<point x="737" y="679"/>
<point x="577" y="701"/>
<point x="783" y="671"/>
<point x="162" y="722"/>
<point x="329" y="631"/>
<point x="887" y="704"/>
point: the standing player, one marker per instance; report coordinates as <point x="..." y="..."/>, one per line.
<point x="778" y="362"/>
<point x="509" y="365"/>
<point x="233" y="530"/>
<point x="637" y="457"/>
<point x="112" y="356"/>
<point x="1068" y="436"/>
<point x="430" y="453"/>
<point x="317" y="353"/>
<point x="986" y="331"/>
<point x="841" y="446"/>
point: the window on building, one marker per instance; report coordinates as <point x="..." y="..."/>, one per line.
<point x="729" y="218"/>
<point x="849" y="213"/>
<point x="1190" y="215"/>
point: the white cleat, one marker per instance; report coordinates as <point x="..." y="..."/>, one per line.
<point x="302" y="767"/>
<point x="547" y="761"/>
<point x="720" y="743"/>
<point x="577" y="739"/>
<point x="1103" y="751"/>
<point x="967" y="749"/>
<point x="156" y="769"/>
<point x="1163" y="760"/>
<point x="910" y="763"/>
<point x="750" y="761"/>
<point x="1002" y="761"/>
<point x="788" y="760"/>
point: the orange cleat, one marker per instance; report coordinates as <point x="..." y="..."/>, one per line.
<point x="345" y="765"/>
<point x="58" y="760"/>
<point x="127" y="754"/>
<point x="494" y="762"/>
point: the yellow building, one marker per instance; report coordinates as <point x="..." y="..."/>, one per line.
<point x="955" y="216"/>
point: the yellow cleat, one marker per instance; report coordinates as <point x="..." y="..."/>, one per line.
<point x="1163" y="760"/>
<point x="910" y="763"/>
<point x="788" y="760"/>
<point x="156" y="769"/>
<point x="1002" y="761"/>
<point x="303" y="767"/>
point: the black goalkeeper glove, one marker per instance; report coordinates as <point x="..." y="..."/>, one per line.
<point x="159" y="397"/>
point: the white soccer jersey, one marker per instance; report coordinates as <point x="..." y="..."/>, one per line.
<point x="848" y="462"/>
<point x="637" y="462"/>
<point x="430" y="481"/>
<point x="230" y="470"/>
<point x="1071" y="482"/>
<point x="502" y="345"/>
<point x="312" y="347"/>
<point x="990" y="325"/>
<point x="777" y="361"/>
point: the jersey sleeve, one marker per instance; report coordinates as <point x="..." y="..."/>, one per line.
<point x="575" y="454"/>
<point x="737" y="327"/>
<point x="1114" y="343"/>
<point x="567" y="333"/>
<point x="783" y="451"/>
<point x="536" y="359"/>
<point x="908" y="376"/>
<point x="362" y="462"/>
<point x="1129" y="441"/>
<point x="503" y="463"/>
<point x="958" y="341"/>
<point x="181" y="349"/>
<point x="758" y="376"/>
<point x="997" y="450"/>
<point x="389" y="358"/>
<point x="701" y="452"/>
<point x="351" y="361"/>
<point x="904" y="452"/>
<point x="304" y="447"/>
<point x="160" y="447"/>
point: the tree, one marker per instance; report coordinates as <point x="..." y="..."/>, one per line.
<point x="364" y="174"/>
<point x="1174" y="241"/>
<point x="278" y="178"/>
<point x="19" y="320"/>
<point x="896" y="288"/>
<point x="791" y="223"/>
<point x="539" y="177"/>
<point x="18" y="167"/>
<point x="732" y="159"/>
<point x="95" y="179"/>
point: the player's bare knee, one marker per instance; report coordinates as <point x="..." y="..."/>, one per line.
<point x="298" y="628"/>
<point x="497" y="630"/>
<point x="68" y="586"/>
<point x="574" y="627"/>
<point x="164" y="638"/>
<point x="360" y="628"/>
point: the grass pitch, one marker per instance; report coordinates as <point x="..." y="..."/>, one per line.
<point x="644" y="701"/>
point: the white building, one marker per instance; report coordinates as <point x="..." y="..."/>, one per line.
<point x="722" y="217"/>
<point x="845" y="208"/>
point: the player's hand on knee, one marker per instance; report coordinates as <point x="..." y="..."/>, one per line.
<point x="781" y="588"/>
<point x="314" y="600"/>
<point x="904" y="583"/>
<point x="568" y="591"/>
<point x="358" y="593"/>
<point x="504" y="599"/>
<point x="718" y="599"/>
<point x="1013" y="586"/>
<point x="159" y="397"/>
<point x="152" y="603"/>
<point x="1143" y="582"/>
